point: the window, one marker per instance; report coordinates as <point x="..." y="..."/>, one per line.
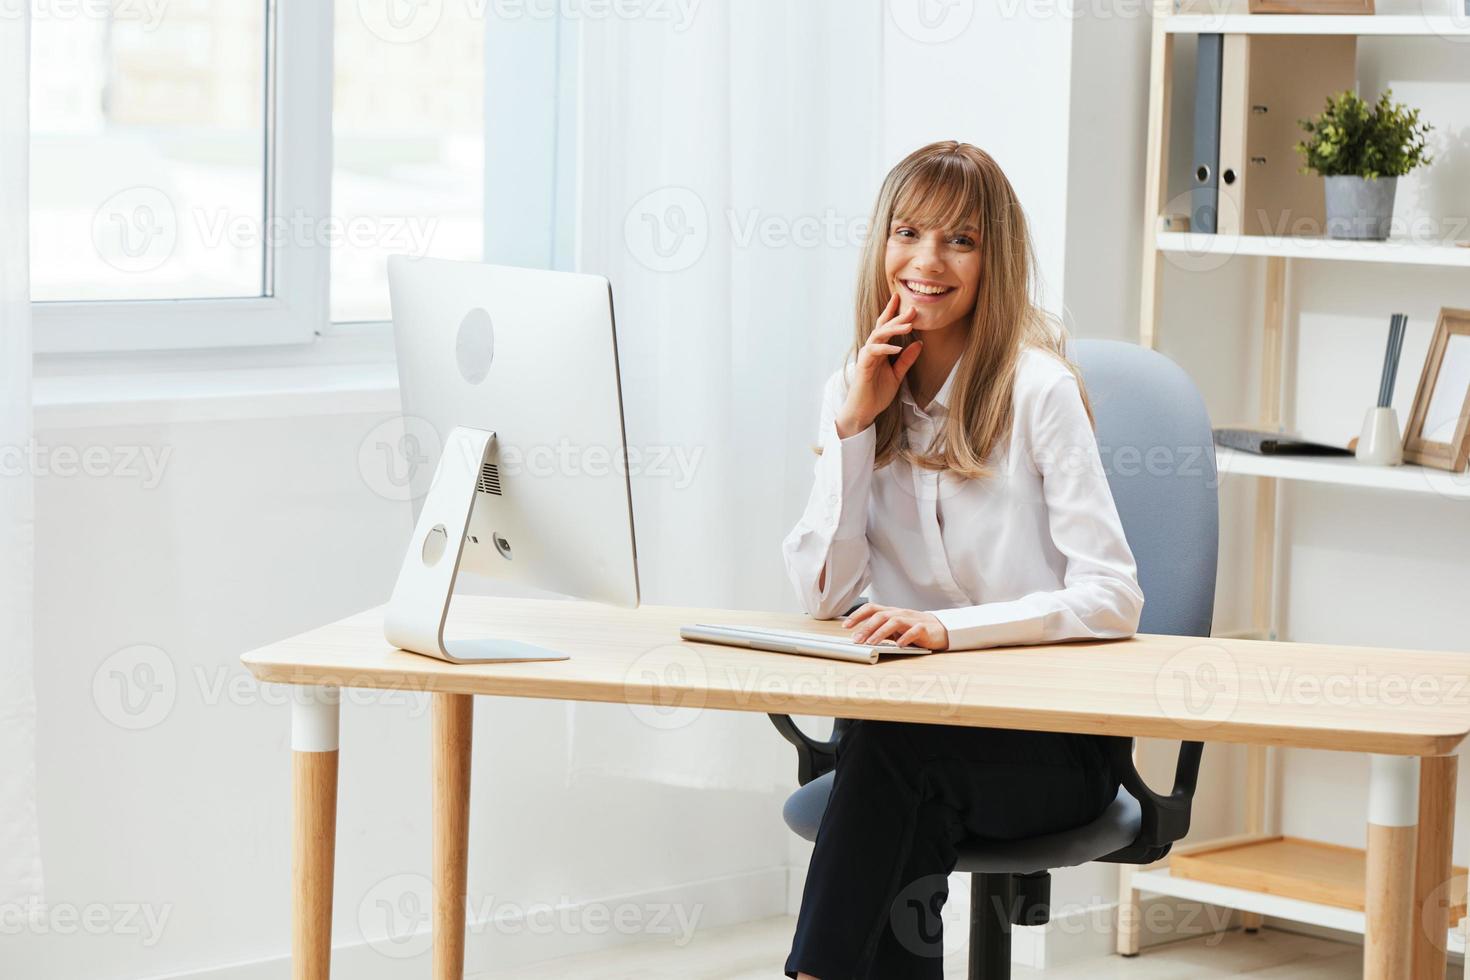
<point x="408" y="144"/>
<point x="217" y="173"/>
<point x="148" y="151"/>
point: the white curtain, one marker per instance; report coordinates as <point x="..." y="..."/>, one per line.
<point x="20" y="857"/>
<point x="728" y="161"/>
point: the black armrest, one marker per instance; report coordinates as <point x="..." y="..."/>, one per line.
<point x="813" y="758"/>
<point x="1165" y="818"/>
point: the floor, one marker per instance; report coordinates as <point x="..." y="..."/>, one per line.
<point x="757" y="950"/>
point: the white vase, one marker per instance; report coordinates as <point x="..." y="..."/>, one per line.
<point x="1380" y="443"/>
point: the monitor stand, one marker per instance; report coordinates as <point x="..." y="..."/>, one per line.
<point x="416" y="613"/>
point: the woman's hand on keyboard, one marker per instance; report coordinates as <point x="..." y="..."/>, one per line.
<point x="872" y="623"/>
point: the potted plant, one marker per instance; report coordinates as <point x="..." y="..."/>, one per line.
<point x="1361" y="150"/>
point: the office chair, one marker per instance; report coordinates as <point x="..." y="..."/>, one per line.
<point x="1140" y="400"/>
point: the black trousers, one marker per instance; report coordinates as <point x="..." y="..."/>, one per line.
<point x="904" y="795"/>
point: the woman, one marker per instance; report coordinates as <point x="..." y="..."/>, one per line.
<point x="959" y="482"/>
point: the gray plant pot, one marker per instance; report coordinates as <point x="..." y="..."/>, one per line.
<point x="1359" y="208"/>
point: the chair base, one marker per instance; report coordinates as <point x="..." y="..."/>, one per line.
<point x="997" y="902"/>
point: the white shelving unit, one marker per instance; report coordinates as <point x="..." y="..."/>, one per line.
<point x="1278" y="254"/>
<point x="1345" y="471"/>
<point x="1395" y="251"/>
<point x="1380" y="25"/>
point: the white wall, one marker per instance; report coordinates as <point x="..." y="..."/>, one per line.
<point x="258" y="529"/>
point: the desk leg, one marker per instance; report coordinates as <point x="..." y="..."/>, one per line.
<point x="1393" y="817"/>
<point x="454" y="716"/>
<point x="314" y="718"/>
<point x="1432" y="872"/>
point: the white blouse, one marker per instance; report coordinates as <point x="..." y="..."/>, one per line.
<point x="1034" y="553"/>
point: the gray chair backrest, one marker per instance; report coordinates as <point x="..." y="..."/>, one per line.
<point x="1157" y="448"/>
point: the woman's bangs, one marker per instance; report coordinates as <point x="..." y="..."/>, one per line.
<point x="943" y="193"/>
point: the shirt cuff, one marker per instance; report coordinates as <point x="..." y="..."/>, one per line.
<point x="993" y="624"/>
<point x="847" y="477"/>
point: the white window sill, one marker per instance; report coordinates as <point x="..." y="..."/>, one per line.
<point x="71" y="401"/>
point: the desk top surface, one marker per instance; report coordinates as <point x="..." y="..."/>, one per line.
<point x="1349" y="698"/>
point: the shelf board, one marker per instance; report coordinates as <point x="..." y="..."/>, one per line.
<point x="1400" y="251"/>
<point x="1345" y="471"/>
<point x="1295" y="868"/>
<point x="1162" y="882"/>
<point x="1380" y="25"/>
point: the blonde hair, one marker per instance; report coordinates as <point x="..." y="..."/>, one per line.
<point x="953" y="185"/>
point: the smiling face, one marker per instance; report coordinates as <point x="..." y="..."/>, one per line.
<point x="934" y="270"/>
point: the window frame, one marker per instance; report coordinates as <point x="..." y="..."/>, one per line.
<point x="298" y="181"/>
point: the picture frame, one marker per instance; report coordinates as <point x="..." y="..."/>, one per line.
<point x="1438" y="430"/>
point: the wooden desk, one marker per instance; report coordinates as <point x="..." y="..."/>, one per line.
<point x="1409" y="709"/>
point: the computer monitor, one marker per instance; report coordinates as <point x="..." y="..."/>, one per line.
<point x="511" y="376"/>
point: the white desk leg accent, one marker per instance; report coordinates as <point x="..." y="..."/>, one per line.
<point x="454" y="717"/>
<point x="1393" y="818"/>
<point x="314" y="717"/>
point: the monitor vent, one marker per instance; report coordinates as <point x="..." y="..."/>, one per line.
<point x="489" y="481"/>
